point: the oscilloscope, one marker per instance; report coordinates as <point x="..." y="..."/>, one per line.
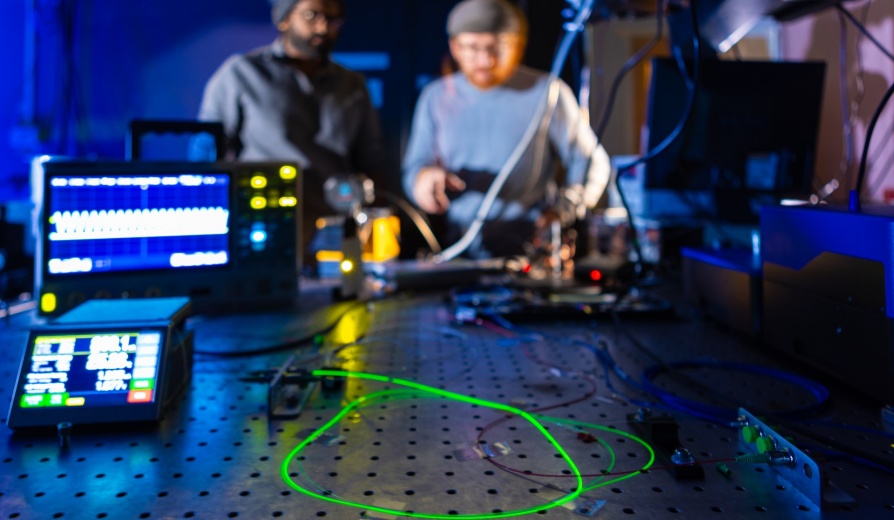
<point x="224" y="234"/>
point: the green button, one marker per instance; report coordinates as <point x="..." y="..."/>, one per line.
<point x="34" y="400"/>
<point x="750" y="434"/>
<point x="764" y="444"/>
<point x="142" y="384"/>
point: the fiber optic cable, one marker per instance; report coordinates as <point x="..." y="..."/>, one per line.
<point x="284" y="468"/>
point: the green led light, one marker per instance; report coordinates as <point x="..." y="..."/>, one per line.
<point x="284" y="467"/>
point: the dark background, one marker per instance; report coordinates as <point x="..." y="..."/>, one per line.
<point x="102" y="63"/>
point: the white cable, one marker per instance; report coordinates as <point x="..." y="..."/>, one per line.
<point x="490" y="197"/>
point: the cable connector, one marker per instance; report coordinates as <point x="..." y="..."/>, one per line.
<point x="739" y="423"/>
<point x="682" y="456"/>
<point x="773" y="458"/>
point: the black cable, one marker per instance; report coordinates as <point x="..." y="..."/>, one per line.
<point x="292" y="343"/>
<point x="855" y="195"/>
<point x="422" y="223"/>
<point x="863" y="29"/>
<point x="631" y="62"/>
<point x="687" y="111"/>
<point x="675" y="133"/>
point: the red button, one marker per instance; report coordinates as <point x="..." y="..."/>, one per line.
<point x="139" y="396"/>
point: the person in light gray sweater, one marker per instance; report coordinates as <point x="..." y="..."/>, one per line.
<point x="467" y="125"/>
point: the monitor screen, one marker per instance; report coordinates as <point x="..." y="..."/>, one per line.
<point x="750" y="140"/>
<point x="90" y="369"/>
<point x="136" y="222"/>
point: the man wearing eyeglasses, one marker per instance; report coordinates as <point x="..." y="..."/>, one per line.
<point x="288" y="101"/>
<point x="467" y="127"/>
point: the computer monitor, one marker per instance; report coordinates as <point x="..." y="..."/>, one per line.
<point x="750" y="140"/>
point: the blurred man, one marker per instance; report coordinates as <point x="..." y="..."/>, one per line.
<point x="288" y="101"/>
<point x="467" y="125"/>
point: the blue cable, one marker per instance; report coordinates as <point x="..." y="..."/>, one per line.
<point x="609" y="366"/>
<point x="726" y="415"/>
<point x="666" y="400"/>
<point x="851" y="427"/>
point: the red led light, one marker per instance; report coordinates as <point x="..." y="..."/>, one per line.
<point x="595" y="275"/>
<point x="526" y="269"/>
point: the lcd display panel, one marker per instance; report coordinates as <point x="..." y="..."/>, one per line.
<point x="109" y="368"/>
<point x="121" y="223"/>
<point x="90" y="375"/>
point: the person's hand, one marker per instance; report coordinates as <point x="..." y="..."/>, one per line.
<point x="430" y="190"/>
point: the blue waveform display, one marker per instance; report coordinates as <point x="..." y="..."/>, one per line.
<point x="136" y="223"/>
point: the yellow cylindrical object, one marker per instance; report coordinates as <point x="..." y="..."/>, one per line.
<point x="383" y="238"/>
<point x="385" y="232"/>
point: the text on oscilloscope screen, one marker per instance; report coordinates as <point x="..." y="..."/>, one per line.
<point x="130" y="223"/>
<point x="102" y="369"/>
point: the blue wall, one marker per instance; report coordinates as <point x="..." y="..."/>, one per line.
<point x="103" y="63"/>
<point x="12" y="16"/>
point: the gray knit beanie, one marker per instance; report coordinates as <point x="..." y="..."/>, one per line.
<point x="484" y="16"/>
<point x="281" y="9"/>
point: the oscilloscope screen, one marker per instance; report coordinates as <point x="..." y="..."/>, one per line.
<point x="112" y="223"/>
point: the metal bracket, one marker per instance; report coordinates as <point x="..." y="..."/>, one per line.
<point x="289" y="390"/>
<point x="798" y="469"/>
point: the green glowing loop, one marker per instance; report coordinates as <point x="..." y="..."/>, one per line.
<point x="611" y="466"/>
<point x="614" y="431"/>
<point x="367" y="400"/>
<point x="284" y="467"/>
<point x="398" y="395"/>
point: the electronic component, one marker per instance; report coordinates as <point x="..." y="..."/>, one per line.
<point x="103" y="362"/>
<point x="288" y="390"/>
<point x="224" y="234"/>
<point x="750" y="140"/>
<point x="346" y="194"/>
<point x="417" y="275"/>
<point x="725" y="284"/>
<point x="827" y="294"/>
<point x="662" y="432"/>
<point x="790" y="463"/>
